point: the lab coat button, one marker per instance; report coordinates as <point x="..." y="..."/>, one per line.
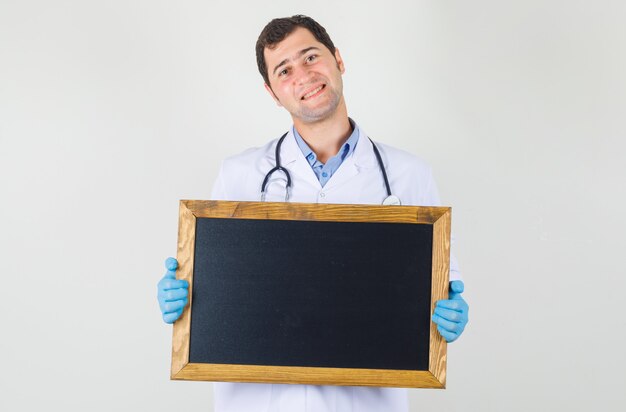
<point x="322" y="194"/>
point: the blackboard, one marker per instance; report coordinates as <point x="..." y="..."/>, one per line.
<point x="283" y="292"/>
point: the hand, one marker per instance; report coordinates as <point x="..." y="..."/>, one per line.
<point x="451" y="315"/>
<point x="172" y="293"/>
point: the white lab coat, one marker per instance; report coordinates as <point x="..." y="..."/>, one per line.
<point x="358" y="180"/>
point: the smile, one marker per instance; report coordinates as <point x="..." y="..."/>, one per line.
<point x="313" y="92"/>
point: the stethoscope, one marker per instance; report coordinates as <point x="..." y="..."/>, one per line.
<point x="389" y="200"/>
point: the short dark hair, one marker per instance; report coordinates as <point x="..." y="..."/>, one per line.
<point x="276" y="30"/>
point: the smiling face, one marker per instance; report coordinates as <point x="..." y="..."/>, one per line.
<point x="305" y="77"/>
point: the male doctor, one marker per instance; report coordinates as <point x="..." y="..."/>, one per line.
<point x="330" y="159"/>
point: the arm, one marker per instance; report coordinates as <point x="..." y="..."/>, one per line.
<point x="451" y="315"/>
<point x="172" y="293"/>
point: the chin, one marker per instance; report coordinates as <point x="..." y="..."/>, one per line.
<point x="308" y="115"/>
<point x="314" y="117"/>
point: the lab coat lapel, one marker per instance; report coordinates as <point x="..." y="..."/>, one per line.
<point x="293" y="160"/>
<point x="364" y="157"/>
<point x="361" y="158"/>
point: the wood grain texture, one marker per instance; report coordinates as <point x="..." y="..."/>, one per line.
<point x="440" y="285"/>
<point x="309" y="376"/>
<point x="185" y="254"/>
<point x="315" y="211"/>
<point x="439" y="217"/>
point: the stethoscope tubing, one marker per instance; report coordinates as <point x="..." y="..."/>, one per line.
<point x="279" y="167"/>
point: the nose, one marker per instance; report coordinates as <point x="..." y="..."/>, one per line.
<point x="302" y="75"/>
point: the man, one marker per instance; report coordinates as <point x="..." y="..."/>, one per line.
<point x="329" y="159"/>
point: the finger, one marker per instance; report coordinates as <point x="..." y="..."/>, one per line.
<point x="454" y="304"/>
<point x="447" y="325"/>
<point x="457" y="286"/>
<point x="175" y="306"/>
<point x="173" y="294"/>
<point x="448" y="336"/>
<point x="172" y="306"/>
<point x="172" y="317"/>
<point x="449" y="314"/>
<point x="167" y="284"/>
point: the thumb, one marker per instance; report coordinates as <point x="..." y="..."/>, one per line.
<point x="171" y="265"/>
<point x="456" y="288"/>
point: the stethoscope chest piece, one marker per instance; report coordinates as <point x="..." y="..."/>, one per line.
<point x="391" y="200"/>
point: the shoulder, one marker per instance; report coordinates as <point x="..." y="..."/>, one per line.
<point x="410" y="176"/>
<point x="240" y="175"/>
<point x="402" y="161"/>
<point x="250" y="156"/>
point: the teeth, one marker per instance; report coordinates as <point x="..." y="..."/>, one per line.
<point x="311" y="93"/>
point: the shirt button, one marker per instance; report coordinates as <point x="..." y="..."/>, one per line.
<point x="325" y="174"/>
<point x="322" y="194"/>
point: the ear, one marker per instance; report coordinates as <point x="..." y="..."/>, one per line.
<point x="271" y="92"/>
<point x="340" y="64"/>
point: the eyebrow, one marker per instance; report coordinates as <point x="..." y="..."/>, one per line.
<point x="300" y="53"/>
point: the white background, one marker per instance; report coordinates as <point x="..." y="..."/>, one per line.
<point x="112" y="111"/>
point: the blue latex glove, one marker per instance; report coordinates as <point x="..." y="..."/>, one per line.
<point x="451" y="315"/>
<point x="172" y="293"/>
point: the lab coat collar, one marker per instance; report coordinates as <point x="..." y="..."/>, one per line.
<point x="362" y="157"/>
<point x="363" y="153"/>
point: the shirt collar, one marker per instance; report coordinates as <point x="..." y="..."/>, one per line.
<point x="345" y="150"/>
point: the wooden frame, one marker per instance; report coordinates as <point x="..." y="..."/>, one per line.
<point x="438" y="217"/>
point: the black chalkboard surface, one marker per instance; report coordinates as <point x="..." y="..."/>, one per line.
<point x="293" y="293"/>
<point x="321" y="294"/>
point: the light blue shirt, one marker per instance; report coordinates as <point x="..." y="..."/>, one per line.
<point x="325" y="171"/>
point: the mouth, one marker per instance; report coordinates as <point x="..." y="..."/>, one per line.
<point x="313" y="92"/>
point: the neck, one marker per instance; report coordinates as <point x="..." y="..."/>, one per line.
<point x="325" y="137"/>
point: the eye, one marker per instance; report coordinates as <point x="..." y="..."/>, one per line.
<point x="283" y="72"/>
<point x="311" y="57"/>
